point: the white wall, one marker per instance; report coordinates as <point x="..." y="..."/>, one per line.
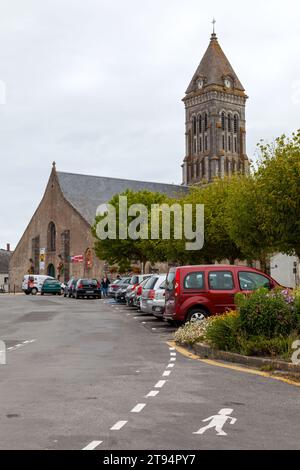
<point x="282" y="269"/>
<point x="3" y="277"/>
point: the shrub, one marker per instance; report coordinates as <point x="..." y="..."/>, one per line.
<point x="297" y="301"/>
<point x="265" y="313"/>
<point x="261" y="346"/>
<point x="191" y="332"/>
<point x="222" y="331"/>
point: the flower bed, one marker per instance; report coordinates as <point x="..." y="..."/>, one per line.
<point x="265" y="324"/>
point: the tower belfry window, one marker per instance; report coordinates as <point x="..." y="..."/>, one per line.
<point x="205" y="122"/>
<point x="200" y="123"/>
<point x="235" y="124"/>
<point x="195" y="125"/>
<point x="229" y="123"/>
<point x="223" y="121"/>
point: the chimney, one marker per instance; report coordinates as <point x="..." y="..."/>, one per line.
<point x="8" y="247"/>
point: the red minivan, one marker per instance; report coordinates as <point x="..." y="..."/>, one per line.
<point x="196" y="292"/>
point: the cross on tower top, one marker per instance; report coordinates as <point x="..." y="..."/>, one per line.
<point x="213" y="23"/>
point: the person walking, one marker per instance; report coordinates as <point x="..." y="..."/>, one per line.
<point x="104" y="286"/>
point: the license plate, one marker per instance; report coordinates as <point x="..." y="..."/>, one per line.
<point x="89" y="291"/>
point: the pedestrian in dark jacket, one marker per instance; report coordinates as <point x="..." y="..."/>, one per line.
<point x="104" y="286"/>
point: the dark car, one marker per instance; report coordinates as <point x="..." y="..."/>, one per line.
<point x="51" y="286"/>
<point x="196" y="292"/>
<point x="120" y="293"/>
<point x="89" y="288"/>
<point x="70" y="288"/>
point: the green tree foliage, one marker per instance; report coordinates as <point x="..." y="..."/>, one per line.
<point x="278" y="181"/>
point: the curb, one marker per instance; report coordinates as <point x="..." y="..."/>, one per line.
<point x="206" y="352"/>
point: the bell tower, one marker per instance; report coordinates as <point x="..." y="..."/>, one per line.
<point x="215" y="103"/>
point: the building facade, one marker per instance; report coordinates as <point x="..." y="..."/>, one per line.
<point x="215" y="135"/>
<point x="58" y="241"/>
<point x="4" y="268"/>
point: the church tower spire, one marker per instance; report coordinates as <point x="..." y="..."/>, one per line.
<point x="215" y="103"/>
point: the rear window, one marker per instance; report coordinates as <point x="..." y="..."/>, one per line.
<point x="170" y="280"/>
<point x="151" y="283"/>
<point x="221" y="280"/>
<point x="88" y="282"/>
<point x="194" y="281"/>
<point x="134" y="280"/>
<point x="252" y="281"/>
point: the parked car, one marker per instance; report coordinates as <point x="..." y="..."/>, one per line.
<point x="51" y="286"/>
<point x="120" y="292"/>
<point x="89" y="288"/>
<point x="153" y="296"/>
<point x="70" y="288"/>
<point x="114" y="286"/>
<point x="196" y="292"/>
<point x="133" y="296"/>
<point x="135" y="281"/>
<point x="32" y="283"/>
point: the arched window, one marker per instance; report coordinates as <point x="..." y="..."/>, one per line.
<point x="51" y="242"/>
<point x="229" y="123"/>
<point x="229" y="143"/>
<point x="205" y="122"/>
<point x="200" y="144"/>
<point x="235" y="123"/>
<point x="194" y="125"/>
<point x="200" y="123"/>
<point x="223" y="121"/>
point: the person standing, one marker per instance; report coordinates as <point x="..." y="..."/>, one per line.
<point x="104" y="286"/>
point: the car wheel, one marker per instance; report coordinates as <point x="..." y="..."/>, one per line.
<point x="197" y="314"/>
<point x="34" y="291"/>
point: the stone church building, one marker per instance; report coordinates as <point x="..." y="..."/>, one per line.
<point x="58" y="239"/>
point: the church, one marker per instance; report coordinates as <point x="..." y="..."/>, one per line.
<point x="58" y="240"/>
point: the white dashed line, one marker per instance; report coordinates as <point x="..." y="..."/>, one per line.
<point x="153" y="393"/>
<point x="172" y="349"/>
<point x="153" y="329"/>
<point x="173" y="354"/>
<point x="166" y="373"/>
<point x="119" y="425"/>
<point x="92" y="445"/>
<point x="170" y="366"/>
<point x="160" y="384"/>
<point x="138" y="408"/>
<point x="173" y="359"/>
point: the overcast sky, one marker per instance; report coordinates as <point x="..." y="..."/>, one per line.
<point x="96" y="85"/>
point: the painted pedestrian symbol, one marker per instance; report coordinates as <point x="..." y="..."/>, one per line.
<point x="218" y="421"/>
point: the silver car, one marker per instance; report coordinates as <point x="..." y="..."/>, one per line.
<point x="153" y="296"/>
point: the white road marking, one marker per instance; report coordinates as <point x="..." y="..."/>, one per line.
<point x="160" y="384"/>
<point x="119" y="425"/>
<point x="172" y="349"/>
<point x="217" y="422"/>
<point x="153" y="393"/>
<point x="138" y="408"/>
<point x="173" y="354"/>
<point x="170" y="366"/>
<point x="92" y="445"/>
<point x="173" y="359"/>
<point x="153" y="329"/>
<point x="166" y="373"/>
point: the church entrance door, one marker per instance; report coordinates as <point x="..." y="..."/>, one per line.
<point x="51" y="270"/>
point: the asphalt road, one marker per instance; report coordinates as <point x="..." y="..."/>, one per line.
<point x="85" y="374"/>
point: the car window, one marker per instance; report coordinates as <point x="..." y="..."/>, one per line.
<point x="252" y="281"/>
<point x="151" y="282"/>
<point x="163" y="285"/>
<point x="170" y="280"/>
<point x="194" y="280"/>
<point x="221" y="280"/>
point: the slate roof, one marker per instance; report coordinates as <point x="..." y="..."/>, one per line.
<point x="85" y="193"/>
<point x="214" y="67"/>
<point x="4" y="261"/>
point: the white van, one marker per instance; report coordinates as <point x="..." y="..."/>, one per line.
<point x="32" y="284"/>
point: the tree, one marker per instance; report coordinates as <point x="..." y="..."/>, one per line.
<point x="123" y="251"/>
<point x="244" y="215"/>
<point x="278" y="182"/>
